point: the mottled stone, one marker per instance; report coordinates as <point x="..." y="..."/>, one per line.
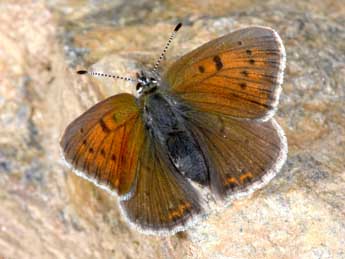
<point x="48" y="212"/>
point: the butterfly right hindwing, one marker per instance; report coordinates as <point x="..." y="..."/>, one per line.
<point x="242" y="155"/>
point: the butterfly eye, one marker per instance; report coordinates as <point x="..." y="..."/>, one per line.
<point x="153" y="80"/>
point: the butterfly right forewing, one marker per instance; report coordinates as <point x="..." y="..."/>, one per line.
<point x="238" y="74"/>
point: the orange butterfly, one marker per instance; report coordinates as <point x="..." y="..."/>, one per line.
<point x="207" y="120"/>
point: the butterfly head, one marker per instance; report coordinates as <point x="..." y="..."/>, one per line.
<point x="147" y="83"/>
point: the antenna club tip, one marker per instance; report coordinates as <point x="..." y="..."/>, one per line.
<point x="81" y="72"/>
<point x="178" y="26"/>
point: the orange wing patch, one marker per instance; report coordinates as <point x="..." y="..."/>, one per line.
<point x="179" y="211"/>
<point x="246" y="177"/>
<point x="231" y="182"/>
<point x="104" y="143"/>
<point x="238" y="75"/>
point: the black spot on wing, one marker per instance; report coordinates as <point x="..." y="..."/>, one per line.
<point x="218" y="62"/>
<point x="104" y="126"/>
<point x="245" y="73"/>
<point x="243" y="85"/>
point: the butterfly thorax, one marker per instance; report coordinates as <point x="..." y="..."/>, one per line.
<point x="165" y="123"/>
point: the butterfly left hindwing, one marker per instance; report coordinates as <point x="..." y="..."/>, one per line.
<point x="164" y="200"/>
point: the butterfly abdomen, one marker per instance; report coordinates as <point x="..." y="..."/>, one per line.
<point x="187" y="156"/>
<point x="166" y="126"/>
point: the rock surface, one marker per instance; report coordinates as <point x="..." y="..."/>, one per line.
<point x="48" y="212"/>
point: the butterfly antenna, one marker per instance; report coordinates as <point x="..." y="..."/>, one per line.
<point x="172" y="36"/>
<point x="92" y="73"/>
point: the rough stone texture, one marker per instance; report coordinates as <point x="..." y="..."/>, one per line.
<point x="48" y="212"/>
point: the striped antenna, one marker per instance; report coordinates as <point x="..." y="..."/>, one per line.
<point x="172" y="36"/>
<point x="92" y="73"/>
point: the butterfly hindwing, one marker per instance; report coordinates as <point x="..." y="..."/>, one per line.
<point x="242" y="155"/>
<point x="104" y="143"/>
<point x="164" y="200"/>
<point x="238" y="74"/>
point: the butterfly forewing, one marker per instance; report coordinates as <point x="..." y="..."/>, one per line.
<point x="242" y="155"/>
<point x="238" y="74"/>
<point x="103" y="144"/>
<point x="164" y="200"/>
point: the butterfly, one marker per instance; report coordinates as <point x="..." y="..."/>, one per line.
<point x="205" y="122"/>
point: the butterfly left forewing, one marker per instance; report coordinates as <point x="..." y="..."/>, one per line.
<point x="242" y="155"/>
<point x="238" y="74"/>
<point x="104" y="143"/>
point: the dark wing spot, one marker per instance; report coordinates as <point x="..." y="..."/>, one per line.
<point x="201" y="69"/>
<point x="248" y="51"/>
<point x="103" y="152"/>
<point x="247" y="180"/>
<point x="91" y="150"/>
<point x="113" y="157"/>
<point x="252" y="61"/>
<point x="231" y="185"/>
<point x="81" y="130"/>
<point x="84" y="142"/>
<point x="218" y="62"/>
<point x="239" y="43"/>
<point x="243" y="85"/>
<point x="245" y="73"/>
<point x="104" y="126"/>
